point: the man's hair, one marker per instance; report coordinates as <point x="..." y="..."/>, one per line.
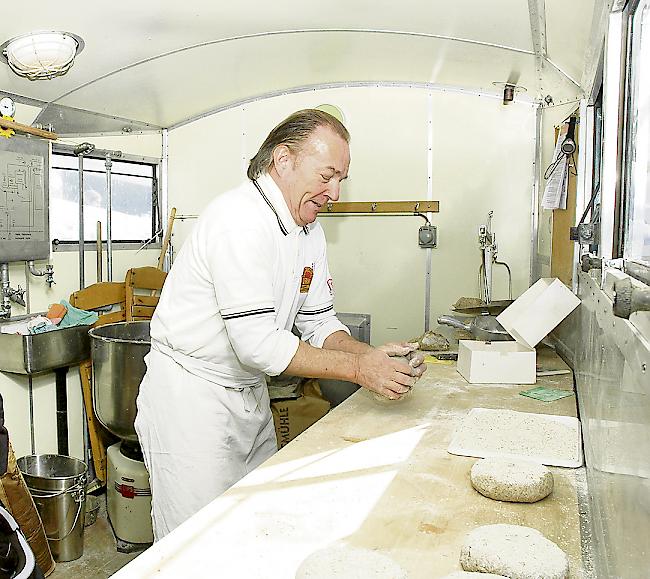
<point x="293" y="132"/>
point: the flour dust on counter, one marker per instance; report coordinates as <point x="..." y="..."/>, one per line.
<point x="346" y="562"/>
<point x="511" y="480"/>
<point x="514" y="551"/>
<point x="472" y="575"/>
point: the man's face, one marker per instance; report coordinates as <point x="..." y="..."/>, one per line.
<point x="312" y="177"/>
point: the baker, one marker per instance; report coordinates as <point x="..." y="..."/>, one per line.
<point x="253" y="269"/>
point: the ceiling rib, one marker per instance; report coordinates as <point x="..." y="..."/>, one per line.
<point x="537" y="13"/>
<point x="297" y="31"/>
<point x="350" y="84"/>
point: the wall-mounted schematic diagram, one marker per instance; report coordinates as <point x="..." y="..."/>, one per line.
<point x="24" y="221"/>
<point x="21" y="197"/>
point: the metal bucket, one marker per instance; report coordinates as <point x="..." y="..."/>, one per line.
<point x="57" y="484"/>
<point x="118" y="352"/>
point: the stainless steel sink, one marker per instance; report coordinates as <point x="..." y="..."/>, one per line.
<point x="38" y="353"/>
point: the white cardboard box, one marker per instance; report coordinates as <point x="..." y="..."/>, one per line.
<point x="528" y="320"/>
<point x="496" y="362"/>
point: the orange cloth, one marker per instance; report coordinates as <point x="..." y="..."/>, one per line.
<point x="56" y="313"/>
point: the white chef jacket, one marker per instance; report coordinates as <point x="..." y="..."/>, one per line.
<point x="242" y="280"/>
<point x="245" y="276"/>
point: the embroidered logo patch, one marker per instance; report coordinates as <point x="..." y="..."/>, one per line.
<point x="307" y="276"/>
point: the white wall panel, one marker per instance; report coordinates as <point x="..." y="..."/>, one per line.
<point x="482" y="160"/>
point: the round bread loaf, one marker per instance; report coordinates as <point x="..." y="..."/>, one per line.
<point x="514" y="551"/>
<point x="516" y="481"/>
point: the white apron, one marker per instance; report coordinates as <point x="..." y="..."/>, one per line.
<point x="232" y="433"/>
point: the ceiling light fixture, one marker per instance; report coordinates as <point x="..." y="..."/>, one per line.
<point x="509" y="90"/>
<point x="41" y="55"/>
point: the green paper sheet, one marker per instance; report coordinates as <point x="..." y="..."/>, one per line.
<point x="546" y="394"/>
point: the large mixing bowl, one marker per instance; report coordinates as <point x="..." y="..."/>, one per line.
<point x="118" y="352"/>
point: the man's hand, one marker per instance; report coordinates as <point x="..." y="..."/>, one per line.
<point x="407" y="349"/>
<point x="378" y="372"/>
<point x="399" y="348"/>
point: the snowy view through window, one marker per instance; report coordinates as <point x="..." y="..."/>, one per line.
<point x="132" y="187"/>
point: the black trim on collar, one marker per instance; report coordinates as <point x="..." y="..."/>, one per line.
<point x="282" y="227"/>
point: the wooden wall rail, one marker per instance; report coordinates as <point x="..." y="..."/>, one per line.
<point x="370" y="207"/>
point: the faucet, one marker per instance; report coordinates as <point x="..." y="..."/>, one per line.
<point x="48" y="272"/>
<point x="9" y="294"/>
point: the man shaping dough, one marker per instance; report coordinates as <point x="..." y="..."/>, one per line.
<point x="254" y="267"/>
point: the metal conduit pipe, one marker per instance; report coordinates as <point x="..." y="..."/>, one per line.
<point x="80" y="151"/>
<point x="109" y="207"/>
<point x="9" y="294"/>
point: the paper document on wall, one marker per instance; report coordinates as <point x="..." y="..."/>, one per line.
<point x="557" y="182"/>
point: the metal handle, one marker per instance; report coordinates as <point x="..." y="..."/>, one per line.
<point x="77" y="492"/>
<point x="454" y="323"/>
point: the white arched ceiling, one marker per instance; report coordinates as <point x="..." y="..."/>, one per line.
<point x="164" y="63"/>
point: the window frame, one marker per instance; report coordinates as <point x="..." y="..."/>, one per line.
<point x="632" y="69"/>
<point x="155" y="238"/>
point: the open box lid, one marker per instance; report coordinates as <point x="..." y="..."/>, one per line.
<point x="536" y="312"/>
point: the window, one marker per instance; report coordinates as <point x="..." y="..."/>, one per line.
<point x="135" y="212"/>
<point x="637" y="233"/>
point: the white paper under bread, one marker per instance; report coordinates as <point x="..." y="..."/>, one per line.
<point x="513" y="442"/>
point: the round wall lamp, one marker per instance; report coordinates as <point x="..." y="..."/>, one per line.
<point x="41" y="55"/>
<point x="509" y="90"/>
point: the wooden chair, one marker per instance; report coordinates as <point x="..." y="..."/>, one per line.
<point x="142" y="291"/>
<point x="99" y="295"/>
<point x="102" y="295"/>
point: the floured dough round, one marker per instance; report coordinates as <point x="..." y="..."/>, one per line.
<point x="513" y="480"/>
<point x="514" y="551"/>
<point x="344" y="562"/>
<point x="470" y="575"/>
<point x="432" y="341"/>
<point x="384" y="399"/>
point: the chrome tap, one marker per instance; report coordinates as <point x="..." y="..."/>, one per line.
<point x="48" y="272"/>
<point x="9" y="294"/>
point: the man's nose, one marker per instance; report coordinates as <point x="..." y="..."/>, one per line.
<point x="334" y="190"/>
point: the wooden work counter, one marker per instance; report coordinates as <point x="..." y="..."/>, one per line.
<point x="377" y="476"/>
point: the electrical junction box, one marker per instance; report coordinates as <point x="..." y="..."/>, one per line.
<point x="528" y="320"/>
<point x="428" y="236"/>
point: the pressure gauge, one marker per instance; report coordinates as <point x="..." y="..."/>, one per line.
<point x="7" y="107"/>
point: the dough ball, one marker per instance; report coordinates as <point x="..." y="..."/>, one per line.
<point x="513" y="480"/>
<point x="344" y="562"/>
<point x="469" y="575"/>
<point x="432" y="342"/>
<point x="514" y="551"/>
<point x="384" y="399"/>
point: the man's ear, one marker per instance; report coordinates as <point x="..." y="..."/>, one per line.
<point x="282" y="159"/>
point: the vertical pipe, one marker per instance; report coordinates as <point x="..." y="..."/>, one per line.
<point x="429" y="257"/>
<point x="30" y="382"/>
<point x="82" y="237"/>
<point x="61" y="410"/>
<point x="109" y="208"/>
<point x="99" y="251"/>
